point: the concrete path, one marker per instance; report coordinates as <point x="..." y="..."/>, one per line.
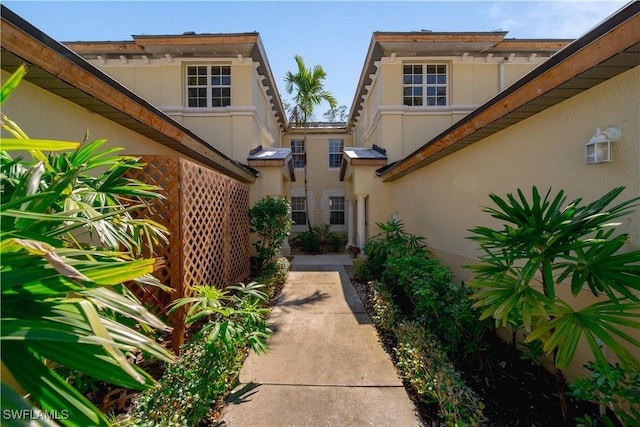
<point x="325" y="365"/>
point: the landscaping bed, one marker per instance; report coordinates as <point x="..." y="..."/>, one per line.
<point x="514" y="392"/>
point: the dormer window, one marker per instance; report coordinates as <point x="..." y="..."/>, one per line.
<point x="424" y="84"/>
<point x="208" y="86"/>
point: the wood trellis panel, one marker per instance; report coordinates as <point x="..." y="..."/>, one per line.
<point x="207" y="215"/>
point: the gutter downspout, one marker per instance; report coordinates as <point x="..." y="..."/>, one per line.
<point x="501" y="75"/>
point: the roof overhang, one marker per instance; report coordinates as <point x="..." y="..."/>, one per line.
<point x="433" y="44"/>
<point x="230" y="45"/>
<point x="58" y="70"/>
<point x="272" y="157"/>
<point x="608" y="50"/>
<point x="362" y="156"/>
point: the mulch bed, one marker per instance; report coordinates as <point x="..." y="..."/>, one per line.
<point x="515" y="392"/>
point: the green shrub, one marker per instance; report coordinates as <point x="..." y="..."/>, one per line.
<point x="391" y="242"/>
<point x="613" y="386"/>
<point x="336" y="242"/>
<point x="308" y="241"/>
<point x="270" y="220"/>
<point x="386" y="314"/>
<point x="188" y="389"/>
<point x="321" y="240"/>
<point x="274" y="276"/>
<point x="426" y="367"/>
<point x="360" y="270"/>
<point x="442" y="307"/>
<point x="210" y="362"/>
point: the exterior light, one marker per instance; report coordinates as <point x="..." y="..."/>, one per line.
<point x="598" y="149"/>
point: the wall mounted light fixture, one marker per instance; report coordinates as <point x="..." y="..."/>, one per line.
<point x="598" y="149"/>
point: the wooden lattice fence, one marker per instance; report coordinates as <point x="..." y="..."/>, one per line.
<point x="207" y="215"/>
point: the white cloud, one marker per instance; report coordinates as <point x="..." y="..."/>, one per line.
<point x="550" y="19"/>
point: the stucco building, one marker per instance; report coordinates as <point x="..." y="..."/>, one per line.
<point x="438" y="120"/>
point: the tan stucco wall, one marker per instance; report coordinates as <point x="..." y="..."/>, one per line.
<point x="443" y="200"/>
<point x="269" y="183"/>
<point x="246" y="124"/>
<point x="322" y="180"/>
<point x="41" y="114"/>
<point x="384" y="121"/>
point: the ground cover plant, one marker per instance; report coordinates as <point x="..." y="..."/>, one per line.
<point x="68" y="245"/>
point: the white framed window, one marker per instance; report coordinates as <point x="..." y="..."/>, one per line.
<point x="298" y="212"/>
<point x="336" y="210"/>
<point x="298" y="153"/>
<point x="424" y="84"/>
<point x="335" y="152"/>
<point x="208" y="86"/>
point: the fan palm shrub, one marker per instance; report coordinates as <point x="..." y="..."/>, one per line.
<point x="545" y="243"/>
<point x="68" y="243"/>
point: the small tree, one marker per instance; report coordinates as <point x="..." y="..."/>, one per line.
<point x="309" y="93"/>
<point x="554" y="243"/>
<point x="270" y="219"/>
<point x="338" y="114"/>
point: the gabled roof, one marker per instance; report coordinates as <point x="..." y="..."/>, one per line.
<point x="427" y="43"/>
<point x="610" y="49"/>
<point x="189" y="45"/>
<point x="57" y="69"/>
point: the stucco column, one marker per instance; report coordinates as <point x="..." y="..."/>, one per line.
<point x="361" y="220"/>
<point x="350" y="225"/>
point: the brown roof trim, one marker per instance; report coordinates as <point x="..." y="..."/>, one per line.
<point x="435" y="37"/>
<point x="196" y="39"/>
<point x="375" y="52"/>
<point x="619" y="32"/>
<point x="531" y="45"/>
<point x="115" y="102"/>
<point x="251" y="42"/>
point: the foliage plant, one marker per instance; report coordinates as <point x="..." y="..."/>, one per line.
<point x="321" y="240"/>
<point x="270" y="219"/>
<point x="233" y="315"/>
<point x="392" y="241"/>
<point x="273" y="277"/>
<point x="234" y="319"/>
<point x="68" y="244"/>
<point x="613" y="386"/>
<point x="442" y="307"/>
<point x="423" y="362"/>
<point x="308" y="86"/>
<point x="386" y="314"/>
<point x="545" y="243"/>
<point x="426" y="366"/>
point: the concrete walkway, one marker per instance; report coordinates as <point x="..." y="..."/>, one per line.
<point x="325" y="365"/>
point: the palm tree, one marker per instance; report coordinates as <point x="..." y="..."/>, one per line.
<point x="309" y="93"/>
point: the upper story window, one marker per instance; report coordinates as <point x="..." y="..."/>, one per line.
<point x="424" y="84"/>
<point x="335" y="152"/>
<point x="298" y="153"/>
<point x="208" y="86"/>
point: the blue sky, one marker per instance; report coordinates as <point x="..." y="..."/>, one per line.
<point x="334" y="34"/>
